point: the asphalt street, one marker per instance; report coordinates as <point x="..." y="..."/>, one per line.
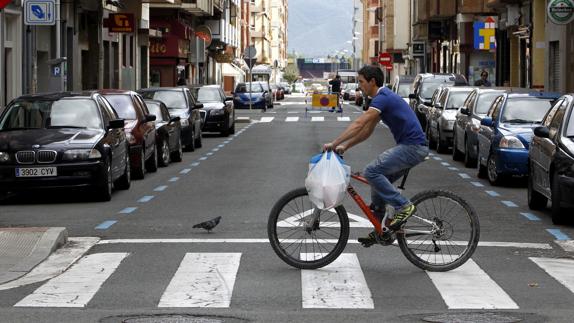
<point x="148" y="249"/>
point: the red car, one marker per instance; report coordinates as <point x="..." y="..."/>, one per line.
<point x="139" y="128"/>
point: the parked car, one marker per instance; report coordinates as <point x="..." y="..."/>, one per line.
<point x="349" y="91"/>
<point x="63" y="140"/>
<point x="168" y="133"/>
<point x="254" y="92"/>
<point x="424" y="86"/>
<point x="442" y="116"/>
<point x="467" y="123"/>
<point x="220" y="113"/>
<point x="139" y="127"/>
<point x="551" y="160"/>
<point x="270" y="98"/>
<point x="403" y="86"/>
<point x="286" y="87"/>
<point x="182" y="104"/>
<point x="506" y="131"/>
<point x="277" y="91"/>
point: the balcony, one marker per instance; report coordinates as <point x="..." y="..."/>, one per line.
<point x="195" y="7"/>
<point x="253" y="8"/>
<point x="223" y="31"/>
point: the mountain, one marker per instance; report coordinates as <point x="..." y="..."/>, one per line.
<point x="319" y="27"/>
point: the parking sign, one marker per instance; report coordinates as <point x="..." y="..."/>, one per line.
<point x="39" y="12"/>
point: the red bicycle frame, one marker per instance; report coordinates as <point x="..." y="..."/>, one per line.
<point x="361" y="203"/>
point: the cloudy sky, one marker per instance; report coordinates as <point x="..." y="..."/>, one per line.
<point x="319" y="27"/>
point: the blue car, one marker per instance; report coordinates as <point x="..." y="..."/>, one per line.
<point x="254" y="92"/>
<point x="506" y="132"/>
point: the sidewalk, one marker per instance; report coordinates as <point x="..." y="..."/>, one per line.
<point x="22" y="249"/>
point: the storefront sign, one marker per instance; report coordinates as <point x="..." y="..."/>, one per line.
<point x="4" y="3"/>
<point x="204" y="33"/>
<point x="484" y="34"/>
<point x="561" y="11"/>
<point x="121" y="23"/>
<point x="169" y="47"/>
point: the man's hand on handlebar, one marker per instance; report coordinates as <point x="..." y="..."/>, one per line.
<point x="340" y="149"/>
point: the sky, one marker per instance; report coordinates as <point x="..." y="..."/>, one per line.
<point x="318" y="28"/>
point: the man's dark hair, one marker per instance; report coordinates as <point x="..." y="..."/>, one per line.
<point x="484" y="73"/>
<point x="338" y="76"/>
<point x="372" y="72"/>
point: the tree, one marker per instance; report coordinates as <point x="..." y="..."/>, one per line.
<point x="291" y="73"/>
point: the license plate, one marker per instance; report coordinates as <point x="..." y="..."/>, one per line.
<point x="36" y="172"/>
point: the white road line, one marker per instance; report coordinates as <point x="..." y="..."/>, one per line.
<point x="518" y="245"/>
<point x="567" y="245"/>
<point x="77" y="286"/>
<point x="202" y="280"/>
<point x="56" y="263"/>
<point x="343" y="119"/>
<point x="267" y="119"/>
<point x="292" y="119"/>
<point x="560" y="269"/>
<point x="469" y="287"/>
<point x="317" y="119"/>
<point x="340" y="284"/>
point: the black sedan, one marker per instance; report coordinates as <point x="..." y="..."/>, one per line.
<point x="63" y="140"/>
<point x="551" y="160"/>
<point x="168" y="133"/>
<point x="219" y="110"/>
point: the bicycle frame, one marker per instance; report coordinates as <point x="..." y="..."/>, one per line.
<point x="361" y="203"/>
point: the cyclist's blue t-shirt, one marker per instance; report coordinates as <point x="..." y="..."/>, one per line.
<point x="399" y="117"/>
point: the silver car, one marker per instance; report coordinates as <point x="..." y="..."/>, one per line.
<point x="442" y="115"/>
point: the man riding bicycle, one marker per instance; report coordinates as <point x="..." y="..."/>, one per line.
<point x="411" y="148"/>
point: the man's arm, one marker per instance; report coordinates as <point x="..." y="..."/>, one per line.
<point x="357" y="132"/>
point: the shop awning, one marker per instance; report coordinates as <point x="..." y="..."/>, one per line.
<point x="229" y="69"/>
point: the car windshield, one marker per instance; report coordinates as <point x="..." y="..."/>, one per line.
<point x="456" y="99"/>
<point x="246" y="88"/>
<point x="206" y="94"/>
<point x="428" y="87"/>
<point x="484" y="102"/>
<point x="570" y="128"/>
<point x="155" y="109"/>
<point x="123" y="105"/>
<point x="405" y="89"/>
<point x="43" y="114"/>
<point x="171" y="99"/>
<point x="525" y="110"/>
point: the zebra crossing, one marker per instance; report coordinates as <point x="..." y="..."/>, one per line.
<point x="208" y="280"/>
<point x="310" y="118"/>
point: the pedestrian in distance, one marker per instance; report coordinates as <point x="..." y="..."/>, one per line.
<point x="411" y="149"/>
<point x="181" y="81"/>
<point x="483" y="81"/>
<point x="336" y="89"/>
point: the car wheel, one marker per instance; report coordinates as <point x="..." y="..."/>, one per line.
<point x="469" y="162"/>
<point x="493" y="176"/>
<point x="103" y="190"/>
<point x="432" y="142"/>
<point x="176" y="156"/>
<point x="536" y="201"/>
<point x="441" y="146"/>
<point x="151" y="163"/>
<point x="232" y="130"/>
<point x="124" y="182"/>
<point x="163" y="154"/>
<point x="225" y="128"/>
<point x="139" y="170"/>
<point x="191" y="145"/>
<point x="558" y="216"/>
<point x="198" y="140"/>
<point x="481" y="168"/>
<point x="456" y="154"/>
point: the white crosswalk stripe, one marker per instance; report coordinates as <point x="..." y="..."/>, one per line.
<point x="209" y="279"/>
<point x="317" y="119"/>
<point x="203" y="280"/>
<point x="267" y="119"/>
<point x="77" y="286"/>
<point x="340" y="284"/>
<point x="292" y="119"/>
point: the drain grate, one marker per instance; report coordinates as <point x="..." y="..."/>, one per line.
<point x="471" y="318"/>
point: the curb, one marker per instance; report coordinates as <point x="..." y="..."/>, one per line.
<point x="52" y="239"/>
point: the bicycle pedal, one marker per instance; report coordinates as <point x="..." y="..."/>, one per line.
<point x="365" y="242"/>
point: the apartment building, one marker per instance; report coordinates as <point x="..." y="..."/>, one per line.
<point x="279" y="17"/>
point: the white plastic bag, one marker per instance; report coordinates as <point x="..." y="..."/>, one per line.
<point x="327" y="180"/>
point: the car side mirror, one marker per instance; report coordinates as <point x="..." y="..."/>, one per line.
<point x="150" y="117"/>
<point x="412" y="96"/>
<point x="117" y="124"/>
<point x="465" y="111"/>
<point x="487" y="121"/>
<point x="228" y="98"/>
<point x="174" y="119"/>
<point x="198" y="106"/>
<point x="543" y="132"/>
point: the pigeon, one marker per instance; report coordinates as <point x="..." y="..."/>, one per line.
<point x="208" y="225"/>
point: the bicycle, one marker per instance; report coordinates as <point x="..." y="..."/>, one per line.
<point x="309" y="222"/>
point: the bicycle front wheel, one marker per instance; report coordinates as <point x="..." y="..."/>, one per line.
<point x="442" y="234"/>
<point x="303" y="236"/>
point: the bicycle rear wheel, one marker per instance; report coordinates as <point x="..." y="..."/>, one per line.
<point x="302" y="242"/>
<point x="442" y="235"/>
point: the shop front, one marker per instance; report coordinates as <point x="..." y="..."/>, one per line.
<point x="169" y="54"/>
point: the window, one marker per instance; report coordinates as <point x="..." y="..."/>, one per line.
<point x="495" y="108"/>
<point x="525" y="110"/>
<point x="558" y="118"/>
<point x="551" y="114"/>
<point x="484" y="102"/>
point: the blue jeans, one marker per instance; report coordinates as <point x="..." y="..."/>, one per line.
<point x="387" y="168"/>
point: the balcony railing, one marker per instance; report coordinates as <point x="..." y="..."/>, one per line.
<point x="196" y="7"/>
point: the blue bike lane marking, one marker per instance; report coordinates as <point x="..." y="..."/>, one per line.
<point x="559" y="235"/>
